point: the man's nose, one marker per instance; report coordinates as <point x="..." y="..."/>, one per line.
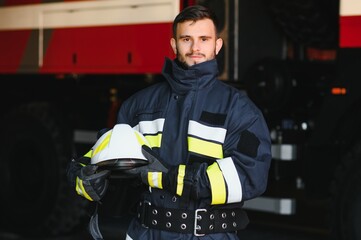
<point x="195" y="46"/>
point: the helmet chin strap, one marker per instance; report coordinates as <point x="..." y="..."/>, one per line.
<point x="94" y="225"/>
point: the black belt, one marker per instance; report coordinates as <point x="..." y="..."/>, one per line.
<point x="199" y="221"/>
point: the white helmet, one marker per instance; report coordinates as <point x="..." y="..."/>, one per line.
<point x="119" y="149"/>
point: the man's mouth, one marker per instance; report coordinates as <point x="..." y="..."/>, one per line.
<point x="195" y="55"/>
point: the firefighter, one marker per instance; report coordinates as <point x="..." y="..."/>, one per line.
<point x="209" y="146"/>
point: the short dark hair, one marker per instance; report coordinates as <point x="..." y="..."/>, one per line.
<point x="195" y="13"/>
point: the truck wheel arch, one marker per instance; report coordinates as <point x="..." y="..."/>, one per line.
<point x="35" y="148"/>
<point x="346" y="197"/>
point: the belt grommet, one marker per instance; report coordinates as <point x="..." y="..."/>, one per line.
<point x="234" y="224"/>
<point x="168" y="214"/>
<point x="211" y="216"/>
<point x="211" y="227"/>
<point x="233" y="214"/>
<point x="138" y="215"/>
<point x="183" y="226"/>
<point x="184" y="215"/>
<point x="154" y="222"/>
<point x="154" y="211"/>
<point x="224" y="225"/>
<point x="174" y="199"/>
<point x="224" y="215"/>
<point x="168" y="224"/>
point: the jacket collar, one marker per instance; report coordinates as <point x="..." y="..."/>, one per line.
<point x="195" y="77"/>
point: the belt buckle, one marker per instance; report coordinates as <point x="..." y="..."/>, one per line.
<point x="196" y="218"/>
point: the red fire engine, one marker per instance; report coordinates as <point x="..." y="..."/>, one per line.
<point x="67" y="65"/>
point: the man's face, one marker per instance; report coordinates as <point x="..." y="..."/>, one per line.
<point x="196" y="42"/>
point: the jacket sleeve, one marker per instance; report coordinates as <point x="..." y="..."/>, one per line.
<point x="74" y="166"/>
<point x="243" y="171"/>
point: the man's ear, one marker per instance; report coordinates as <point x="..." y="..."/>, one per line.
<point x="174" y="45"/>
<point x="219" y="44"/>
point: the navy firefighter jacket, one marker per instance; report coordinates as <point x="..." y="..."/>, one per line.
<point x="195" y="118"/>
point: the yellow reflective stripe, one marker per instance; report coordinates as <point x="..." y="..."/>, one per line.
<point x="155" y="179"/>
<point x="152" y="131"/>
<point x="102" y="145"/>
<point x="180" y="178"/>
<point x="218" y="186"/>
<point x="80" y="189"/>
<point x="141" y="139"/>
<point x="89" y="154"/>
<point x="154" y="140"/>
<point x="206" y="148"/>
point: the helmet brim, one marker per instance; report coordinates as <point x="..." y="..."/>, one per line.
<point x="121" y="164"/>
<point x="119" y="167"/>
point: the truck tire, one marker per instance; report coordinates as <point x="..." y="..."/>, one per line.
<point x="35" y="148"/>
<point x="346" y="204"/>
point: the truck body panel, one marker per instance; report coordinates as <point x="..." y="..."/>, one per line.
<point x="69" y="65"/>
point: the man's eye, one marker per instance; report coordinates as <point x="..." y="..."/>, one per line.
<point x="186" y="39"/>
<point x="204" y="39"/>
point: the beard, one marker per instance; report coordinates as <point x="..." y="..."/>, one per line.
<point x="182" y="58"/>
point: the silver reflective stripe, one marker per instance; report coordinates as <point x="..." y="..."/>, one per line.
<point x="234" y="186"/>
<point x="85" y="136"/>
<point x="282" y="206"/>
<point x="150" y="127"/>
<point x="128" y="237"/>
<point x="214" y="134"/>
<point x="284" y="152"/>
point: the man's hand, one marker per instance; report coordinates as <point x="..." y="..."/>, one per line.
<point x="154" y="172"/>
<point x="154" y="165"/>
<point x="178" y="180"/>
<point x="91" y="184"/>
